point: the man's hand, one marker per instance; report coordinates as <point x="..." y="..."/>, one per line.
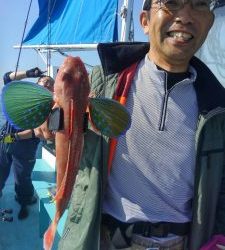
<point x="35" y="72"/>
<point x="43" y="132"/>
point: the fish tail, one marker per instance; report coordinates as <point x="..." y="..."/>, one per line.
<point x="49" y="236"/>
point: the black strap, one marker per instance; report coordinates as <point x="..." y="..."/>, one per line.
<point x="161" y="229"/>
<point x="147" y="229"/>
<point x="33" y="134"/>
<point x="112" y="224"/>
<point x="55" y="120"/>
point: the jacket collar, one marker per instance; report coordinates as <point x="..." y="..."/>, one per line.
<point x="115" y="57"/>
<point x="210" y="92"/>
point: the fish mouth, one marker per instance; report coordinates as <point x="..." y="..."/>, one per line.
<point x="181" y="36"/>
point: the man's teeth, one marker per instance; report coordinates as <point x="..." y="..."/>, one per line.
<point x="182" y="35"/>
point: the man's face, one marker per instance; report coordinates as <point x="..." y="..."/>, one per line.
<point x="47" y="82"/>
<point x="175" y="36"/>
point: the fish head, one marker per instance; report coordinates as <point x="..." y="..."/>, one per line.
<point x="71" y="80"/>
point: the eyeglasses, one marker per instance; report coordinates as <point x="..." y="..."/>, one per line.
<point x="198" y="5"/>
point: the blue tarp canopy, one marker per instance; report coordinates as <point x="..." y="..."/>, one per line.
<point x="220" y="3"/>
<point x="63" y="22"/>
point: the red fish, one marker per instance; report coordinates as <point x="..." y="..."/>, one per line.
<point x="71" y="92"/>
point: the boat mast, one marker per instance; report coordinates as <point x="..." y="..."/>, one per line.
<point x="127" y="34"/>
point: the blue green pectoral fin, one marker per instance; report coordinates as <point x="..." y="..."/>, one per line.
<point x="109" y="116"/>
<point x="26" y="105"/>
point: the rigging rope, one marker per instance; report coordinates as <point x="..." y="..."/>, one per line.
<point x="66" y="55"/>
<point x="51" y="7"/>
<point x="18" y="59"/>
<point x="49" y="37"/>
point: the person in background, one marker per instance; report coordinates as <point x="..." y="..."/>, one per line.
<point x="163" y="185"/>
<point x="18" y="148"/>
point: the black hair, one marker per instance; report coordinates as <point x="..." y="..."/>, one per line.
<point x="147" y="5"/>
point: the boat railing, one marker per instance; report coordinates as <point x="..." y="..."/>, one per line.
<point x="44" y="181"/>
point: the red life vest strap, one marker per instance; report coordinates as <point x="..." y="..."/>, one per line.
<point x="123" y="86"/>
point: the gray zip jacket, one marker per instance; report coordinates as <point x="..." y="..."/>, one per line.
<point x="82" y="229"/>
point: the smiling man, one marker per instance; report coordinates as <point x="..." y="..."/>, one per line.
<point x="176" y="30"/>
<point x="162" y="186"/>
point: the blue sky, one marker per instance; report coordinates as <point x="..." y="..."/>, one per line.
<point x="12" y="19"/>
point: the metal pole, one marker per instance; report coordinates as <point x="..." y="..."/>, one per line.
<point x="127" y="18"/>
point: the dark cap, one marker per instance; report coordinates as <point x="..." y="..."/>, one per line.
<point x="146" y="5"/>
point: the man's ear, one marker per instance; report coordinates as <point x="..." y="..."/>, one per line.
<point x="144" y="20"/>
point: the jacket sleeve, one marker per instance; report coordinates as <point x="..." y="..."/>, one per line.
<point x="6" y="78"/>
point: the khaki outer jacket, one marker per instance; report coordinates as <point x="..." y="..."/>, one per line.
<point x="82" y="229"/>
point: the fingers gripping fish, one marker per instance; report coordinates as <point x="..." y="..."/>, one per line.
<point x="71" y="92"/>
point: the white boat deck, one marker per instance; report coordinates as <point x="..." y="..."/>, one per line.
<point x="19" y="234"/>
